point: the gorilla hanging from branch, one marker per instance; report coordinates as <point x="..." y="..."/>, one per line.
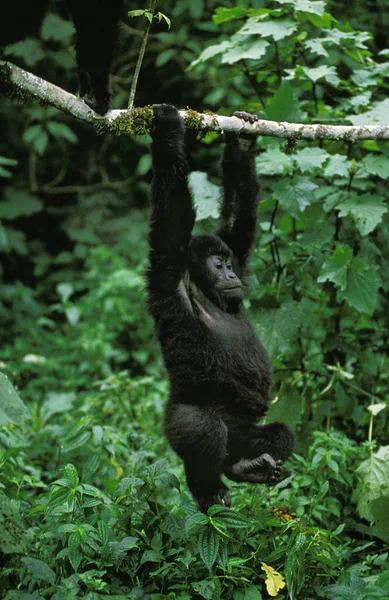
<point x="96" y="23"/>
<point x="219" y="371"/>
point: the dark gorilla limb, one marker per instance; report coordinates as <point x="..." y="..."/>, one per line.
<point x="261" y="458"/>
<point x="199" y="436"/>
<point x="96" y="23"/>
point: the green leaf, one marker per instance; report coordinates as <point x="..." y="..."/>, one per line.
<point x="194" y="521"/>
<point x="377" y="115"/>
<point x="337" y="166"/>
<point x="70" y="473"/>
<point x="278" y="328"/>
<point x="243" y="49"/>
<point x="204" y="588"/>
<point x="362" y="286"/>
<point x="12" y="409"/>
<point x="374" y="473"/>
<point x="277" y="29"/>
<point x="322" y="72"/>
<point x="62" y="131"/>
<point x="222" y="14"/>
<point x="375" y="165"/>
<point x="294" y="195"/>
<point x="366" y="210"/>
<point x="233" y="519"/>
<point x="208" y="545"/>
<point x="274" y="162"/>
<point x="206" y="195"/>
<point x="39" y="569"/>
<point x="30" y="50"/>
<point x="57" y="29"/>
<point x="18" y="203"/>
<point x="309" y="159"/>
<point x="210" y="52"/>
<point x="283" y="106"/>
<point x="335" y="267"/>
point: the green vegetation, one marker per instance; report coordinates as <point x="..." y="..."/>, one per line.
<point x="93" y="503"/>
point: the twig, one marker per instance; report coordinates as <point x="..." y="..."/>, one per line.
<point x="153" y="4"/>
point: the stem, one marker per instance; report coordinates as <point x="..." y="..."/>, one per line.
<point x="370" y="434"/>
<point x="153" y="4"/>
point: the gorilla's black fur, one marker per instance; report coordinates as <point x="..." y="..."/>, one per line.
<point x="219" y="371"/>
<point x="96" y="23"/>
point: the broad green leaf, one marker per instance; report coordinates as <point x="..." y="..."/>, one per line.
<point x="274" y="162"/>
<point x="379" y="510"/>
<point x="277" y="29"/>
<point x="232" y="518"/>
<point x="12" y="409"/>
<point x="222" y="14"/>
<point x="19" y="203"/>
<point x="210" y="52"/>
<point x="366" y="210"/>
<point x="205" y="589"/>
<point x="378" y="115"/>
<point x="335" y="267"/>
<point x="283" y="106"/>
<point x="195" y="521"/>
<point x="322" y="72"/>
<point x="278" y="328"/>
<point x="243" y="49"/>
<point x="337" y="166"/>
<point x="376" y="165"/>
<point x="374" y="473"/>
<point x="208" y="544"/>
<point x="57" y="403"/>
<point x="294" y="195"/>
<point x="316" y="7"/>
<point x="316" y="46"/>
<point x="206" y="195"/>
<point x="309" y="159"/>
<point x="362" y="286"/>
<point x="57" y="29"/>
<point x="38" y="569"/>
<point x="30" y="50"/>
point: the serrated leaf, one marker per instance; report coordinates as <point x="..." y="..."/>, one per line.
<point x="210" y="52"/>
<point x="206" y="195"/>
<point x="323" y="72"/>
<point x="275" y="29"/>
<point x="19" y="203"/>
<point x="38" y="569"/>
<point x="274" y="162"/>
<point x="194" y="521"/>
<point x="362" y="286"/>
<point x="309" y="159"/>
<point x="337" y="166"/>
<point x="376" y="165"/>
<point x="366" y="210"/>
<point x="294" y="195"/>
<point x="283" y="106"/>
<point x="243" y="49"/>
<point x="70" y="472"/>
<point x="335" y="267"/>
<point x="208" y="545"/>
<point x="374" y="473"/>
<point x="377" y="115"/>
<point x="233" y="519"/>
<point x="76" y="442"/>
<point x="12" y="409"/>
<point x="222" y="14"/>
<point x="102" y="528"/>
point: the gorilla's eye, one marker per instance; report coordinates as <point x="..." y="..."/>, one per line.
<point x="229" y="266"/>
<point x="219" y="263"/>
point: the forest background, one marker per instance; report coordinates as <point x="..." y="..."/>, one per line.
<point x="93" y="503"/>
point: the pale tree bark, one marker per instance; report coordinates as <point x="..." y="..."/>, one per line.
<point x="25" y="85"/>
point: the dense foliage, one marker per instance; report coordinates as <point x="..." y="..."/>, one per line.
<point x="91" y="504"/>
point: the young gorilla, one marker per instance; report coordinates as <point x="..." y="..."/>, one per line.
<point x="218" y="369"/>
<point x="96" y="23"/>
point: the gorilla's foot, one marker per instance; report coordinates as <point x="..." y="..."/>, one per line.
<point x="263" y="469"/>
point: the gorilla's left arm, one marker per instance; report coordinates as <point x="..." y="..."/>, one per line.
<point x="241" y="188"/>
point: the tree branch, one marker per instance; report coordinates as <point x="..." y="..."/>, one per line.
<point x="22" y="84"/>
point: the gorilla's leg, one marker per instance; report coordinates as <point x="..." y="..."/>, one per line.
<point x="96" y="23"/>
<point x="199" y="437"/>
<point x="258" y="455"/>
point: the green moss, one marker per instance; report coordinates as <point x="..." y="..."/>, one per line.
<point x="138" y="122"/>
<point x="291" y="143"/>
<point x="193" y="120"/>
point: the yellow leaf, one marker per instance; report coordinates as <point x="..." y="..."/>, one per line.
<point x="119" y="470"/>
<point x="274" y="581"/>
